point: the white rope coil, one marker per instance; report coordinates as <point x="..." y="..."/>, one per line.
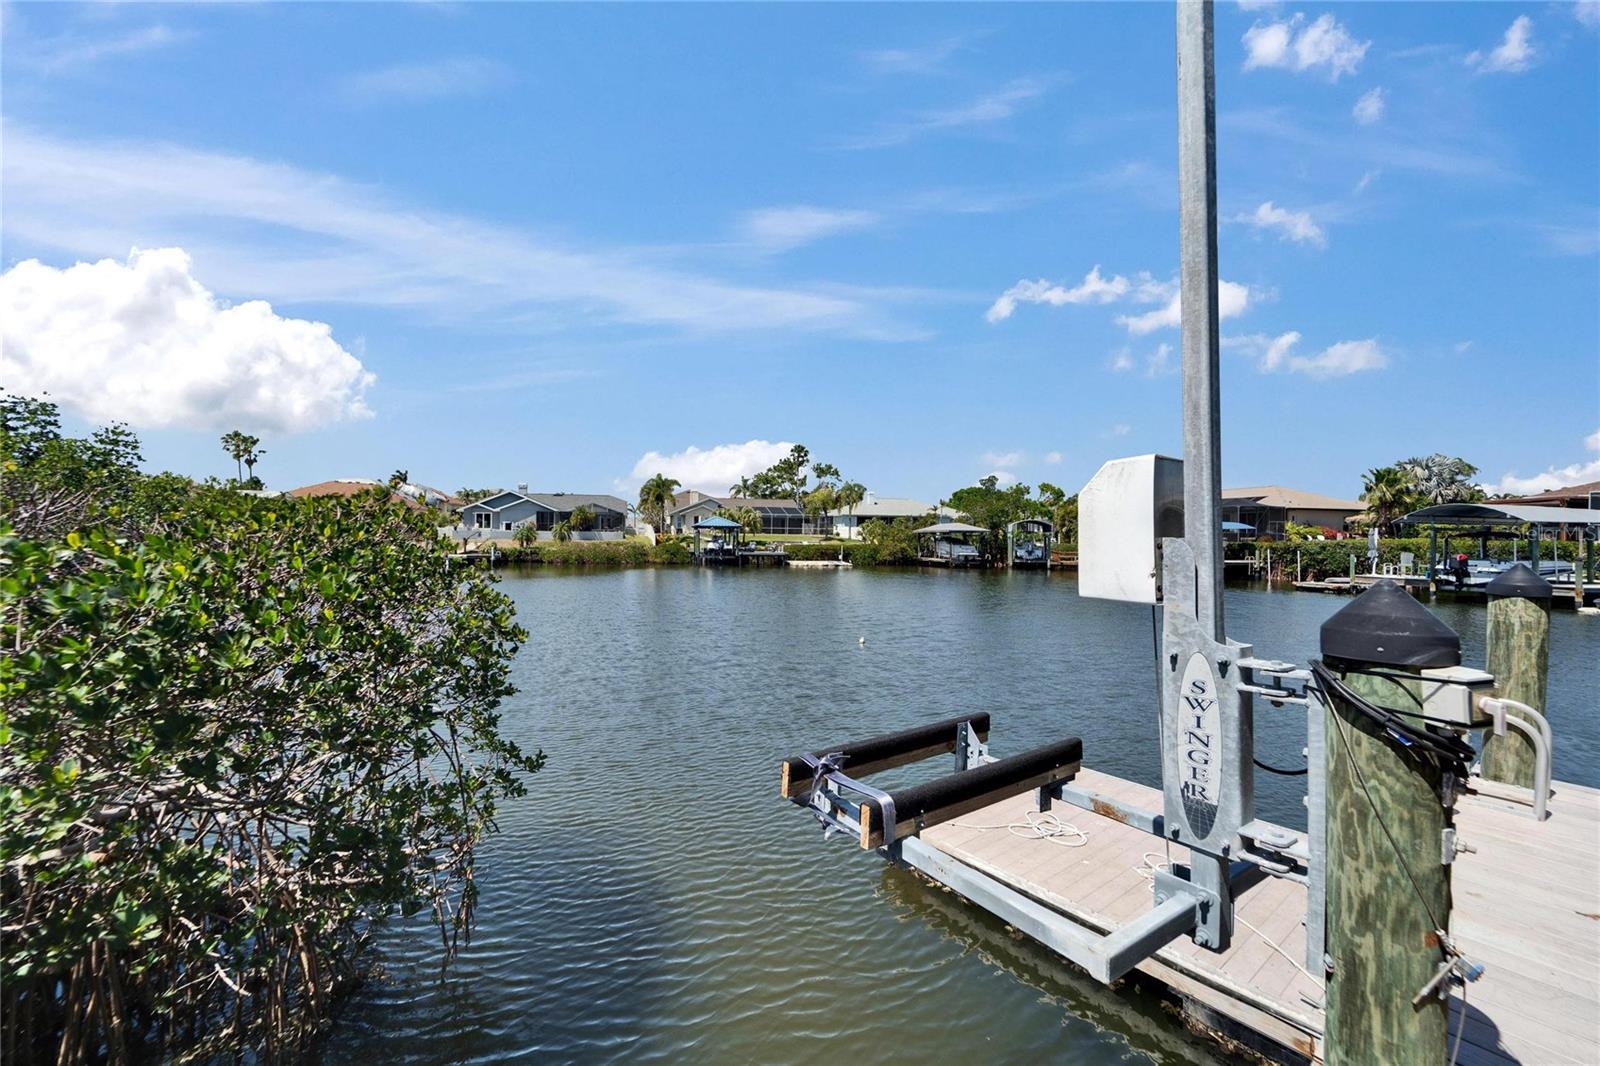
<point x="1038" y="826"/>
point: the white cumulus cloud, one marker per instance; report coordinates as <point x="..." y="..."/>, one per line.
<point x="1514" y="54"/>
<point x="1293" y="44"/>
<point x="1003" y="477"/>
<point x="144" y="342"/>
<point x="1337" y="360"/>
<point x="1001" y="458"/>
<point x="1053" y="458"/>
<point x="1232" y="300"/>
<point x="1277" y="353"/>
<point x="781" y="228"/>
<point x="710" y="469"/>
<point x="1297" y="226"/>
<point x="1369" y="109"/>
<point x="1555" y="477"/>
<point x="1278" y="350"/>
<point x="1092" y="289"/>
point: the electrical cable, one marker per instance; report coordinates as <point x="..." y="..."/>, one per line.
<point x="1361" y="780"/>
<point x="1147" y="870"/>
<point x="1278" y="770"/>
<point x="1450" y="753"/>
<point x="1461" y="1026"/>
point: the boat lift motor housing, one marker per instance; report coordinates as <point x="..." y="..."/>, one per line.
<point x="1123" y="513"/>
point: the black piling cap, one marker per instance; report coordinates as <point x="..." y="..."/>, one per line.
<point x="1522" y="582"/>
<point x="1386" y="625"/>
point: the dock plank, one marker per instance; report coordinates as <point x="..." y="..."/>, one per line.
<point x="1524" y="907"/>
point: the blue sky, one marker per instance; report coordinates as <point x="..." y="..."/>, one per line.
<point x="572" y="245"/>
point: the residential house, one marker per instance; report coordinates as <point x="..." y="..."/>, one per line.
<point x="353" y="486"/>
<point x="777" y="516"/>
<point x="847" y="523"/>
<point x="501" y="515"/>
<point x="1267" y="509"/>
<point x="1586" y="495"/>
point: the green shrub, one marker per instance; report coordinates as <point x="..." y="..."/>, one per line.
<point x="672" y="551"/>
<point x="227" y="749"/>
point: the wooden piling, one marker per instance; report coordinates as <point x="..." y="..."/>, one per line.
<point x="1519" y="658"/>
<point x="1388" y="893"/>
<point x="1380" y="936"/>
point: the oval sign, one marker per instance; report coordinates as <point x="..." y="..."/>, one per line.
<point x="1199" y="745"/>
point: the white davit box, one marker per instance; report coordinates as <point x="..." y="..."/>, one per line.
<point x="1123" y="512"/>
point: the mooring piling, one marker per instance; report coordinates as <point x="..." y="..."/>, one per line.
<point x="1388" y="887"/>
<point x="1518" y="648"/>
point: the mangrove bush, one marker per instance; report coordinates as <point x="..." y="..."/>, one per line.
<point x="234" y="735"/>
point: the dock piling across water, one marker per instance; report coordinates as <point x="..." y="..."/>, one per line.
<point x="1518" y="652"/>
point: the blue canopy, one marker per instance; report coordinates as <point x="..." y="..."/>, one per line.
<point x="717" y="522"/>
<point x="1237" y="527"/>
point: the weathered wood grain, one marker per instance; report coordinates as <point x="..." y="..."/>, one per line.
<point x="1519" y="658"/>
<point x="1388" y="894"/>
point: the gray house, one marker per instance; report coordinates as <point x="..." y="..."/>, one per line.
<point x="777" y="516"/>
<point x="501" y="515"/>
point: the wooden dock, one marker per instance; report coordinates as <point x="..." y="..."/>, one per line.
<point x="1527" y="905"/>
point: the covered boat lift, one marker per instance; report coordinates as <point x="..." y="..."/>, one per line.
<point x="949" y="544"/>
<point x="1031" y="551"/>
<point x="723" y="548"/>
<point x="1490" y="520"/>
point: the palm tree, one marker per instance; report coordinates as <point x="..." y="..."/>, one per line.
<point x="846" y="496"/>
<point x="526" y="534"/>
<point x="818" y="502"/>
<point x="749" y="518"/>
<point x="744" y="488"/>
<point x="562" y="531"/>
<point x="1387" y="491"/>
<point x="1439" y="478"/>
<point x="243" y="448"/>
<point x="655" y="496"/>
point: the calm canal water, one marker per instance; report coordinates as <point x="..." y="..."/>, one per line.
<point x="652" y="900"/>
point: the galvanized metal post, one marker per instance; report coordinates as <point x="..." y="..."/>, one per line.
<point x="1207" y="818"/>
<point x="1197" y="229"/>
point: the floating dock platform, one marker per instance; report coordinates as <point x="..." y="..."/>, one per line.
<point x="1526" y="905"/>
